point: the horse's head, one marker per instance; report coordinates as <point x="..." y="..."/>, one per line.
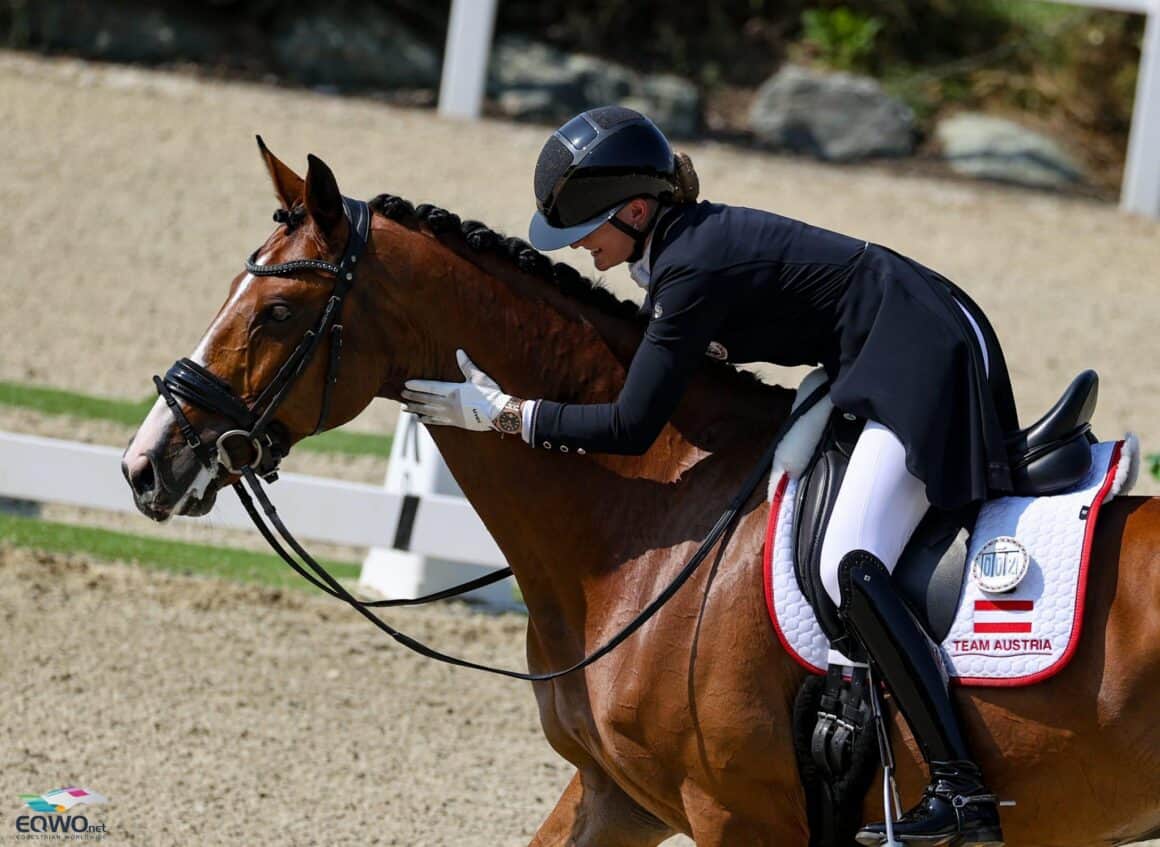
<point x="263" y="372"/>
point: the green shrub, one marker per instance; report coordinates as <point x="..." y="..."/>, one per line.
<point x="841" y="38"/>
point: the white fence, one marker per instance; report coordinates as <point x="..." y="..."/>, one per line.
<point x="48" y="470"/>
<point x="469" y="32"/>
<point x="1141" y="188"/>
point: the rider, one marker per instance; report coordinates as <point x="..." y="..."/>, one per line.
<point x="904" y="348"/>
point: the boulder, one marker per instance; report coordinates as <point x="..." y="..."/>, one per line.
<point x="838" y="117"/>
<point x="987" y="147"/>
<point x="671" y="101"/>
<point x="364" y="47"/>
<point x="533" y="81"/>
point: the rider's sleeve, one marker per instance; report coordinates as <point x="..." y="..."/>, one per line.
<point x="687" y="311"/>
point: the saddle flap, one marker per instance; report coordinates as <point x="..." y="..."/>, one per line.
<point x="816" y="496"/>
<point x="930" y="571"/>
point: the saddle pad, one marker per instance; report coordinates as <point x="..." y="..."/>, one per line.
<point x="997" y="639"/>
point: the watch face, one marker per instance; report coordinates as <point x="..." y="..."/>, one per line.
<point x="509" y="422"/>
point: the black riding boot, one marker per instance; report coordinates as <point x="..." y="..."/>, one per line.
<point x="956" y="809"/>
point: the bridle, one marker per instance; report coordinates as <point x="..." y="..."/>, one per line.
<point x="195" y="384"/>
<point x="198" y="386"/>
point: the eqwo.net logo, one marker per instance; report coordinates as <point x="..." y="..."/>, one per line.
<point x="58" y="814"/>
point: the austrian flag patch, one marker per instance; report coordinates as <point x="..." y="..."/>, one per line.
<point x="1003" y="616"/>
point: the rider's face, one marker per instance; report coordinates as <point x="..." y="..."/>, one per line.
<point x="607" y="244"/>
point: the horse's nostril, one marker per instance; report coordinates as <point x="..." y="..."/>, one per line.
<point x="140" y="474"/>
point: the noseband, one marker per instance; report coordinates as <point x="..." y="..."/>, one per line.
<point x="194" y="383"/>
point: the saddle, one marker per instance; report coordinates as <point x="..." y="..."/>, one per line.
<point x="837" y="760"/>
<point x="1050" y="456"/>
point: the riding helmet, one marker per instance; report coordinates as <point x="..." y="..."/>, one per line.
<point x="591" y="167"/>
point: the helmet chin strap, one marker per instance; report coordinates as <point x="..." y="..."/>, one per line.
<point x="638" y="236"/>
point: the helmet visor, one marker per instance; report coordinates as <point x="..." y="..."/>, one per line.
<point x="544" y="236"/>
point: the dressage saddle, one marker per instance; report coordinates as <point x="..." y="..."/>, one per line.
<point x="1048" y="457"/>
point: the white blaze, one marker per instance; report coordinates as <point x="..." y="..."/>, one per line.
<point x="199" y="352"/>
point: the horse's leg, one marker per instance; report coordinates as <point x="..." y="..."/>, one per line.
<point x="595" y="812"/>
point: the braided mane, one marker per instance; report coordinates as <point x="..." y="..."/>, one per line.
<point x="524" y="256"/>
<point x="527" y="259"/>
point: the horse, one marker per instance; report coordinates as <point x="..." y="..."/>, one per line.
<point x="686" y="727"/>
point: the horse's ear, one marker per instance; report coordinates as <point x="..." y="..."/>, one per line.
<point x="323" y="199"/>
<point x="287" y="185"/>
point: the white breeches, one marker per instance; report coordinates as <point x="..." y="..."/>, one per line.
<point x="880" y="502"/>
<point x="878" y="507"/>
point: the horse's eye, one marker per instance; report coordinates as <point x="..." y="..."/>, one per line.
<point x="279" y="313"/>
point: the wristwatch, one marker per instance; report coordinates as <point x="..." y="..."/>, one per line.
<point x="509" y="420"/>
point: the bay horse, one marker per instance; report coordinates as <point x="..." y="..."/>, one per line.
<point x="686" y="727"/>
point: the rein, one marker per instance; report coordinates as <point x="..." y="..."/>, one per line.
<point x="195" y="384"/>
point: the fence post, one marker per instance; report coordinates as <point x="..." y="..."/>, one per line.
<point x="1141" y="191"/>
<point x="465" y="58"/>
<point x="416" y="469"/>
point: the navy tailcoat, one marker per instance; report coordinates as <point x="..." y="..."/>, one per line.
<point x="751" y="286"/>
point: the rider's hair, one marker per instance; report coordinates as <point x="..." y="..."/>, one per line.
<point x="688" y="183"/>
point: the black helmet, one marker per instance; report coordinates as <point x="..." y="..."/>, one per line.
<point x="591" y="167"/>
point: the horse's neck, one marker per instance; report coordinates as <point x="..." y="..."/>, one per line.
<point x="565" y="522"/>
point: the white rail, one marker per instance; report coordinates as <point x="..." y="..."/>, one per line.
<point x="1140" y="192"/>
<point x="49" y="470"/>
<point x="1142" y="7"/>
<point x="465" y="58"/>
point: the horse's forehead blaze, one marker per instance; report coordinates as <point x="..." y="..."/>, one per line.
<point x="227" y="315"/>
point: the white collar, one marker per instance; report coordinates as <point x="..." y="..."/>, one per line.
<point x="641" y="270"/>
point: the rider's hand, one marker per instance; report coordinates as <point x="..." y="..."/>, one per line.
<point x="474" y="404"/>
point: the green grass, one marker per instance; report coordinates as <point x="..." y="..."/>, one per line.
<point x="161" y="554"/>
<point x="53" y="401"/>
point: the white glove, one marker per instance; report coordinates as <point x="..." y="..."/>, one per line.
<point x="473" y="404"/>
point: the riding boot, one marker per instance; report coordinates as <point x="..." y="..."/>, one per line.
<point x="956" y="809"/>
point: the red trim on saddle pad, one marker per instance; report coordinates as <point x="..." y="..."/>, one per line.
<point x="767" y="573"/>
<point x="995" y="605"/>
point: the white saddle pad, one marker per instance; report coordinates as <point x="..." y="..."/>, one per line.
<point x="1016" y="637"/>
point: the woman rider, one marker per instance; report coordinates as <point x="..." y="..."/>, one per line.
<point x="904" y="348"/>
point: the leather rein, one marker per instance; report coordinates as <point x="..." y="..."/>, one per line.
<point x="192" y="382"/>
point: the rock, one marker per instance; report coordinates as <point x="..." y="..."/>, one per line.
<point x="994" y="148"/>
<point x="118" y="32"/>
<point x="370" y="49"/>
<point x="839" y="117"/>
<point x="672" y="102"/>
<point x="534" y="81"/>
